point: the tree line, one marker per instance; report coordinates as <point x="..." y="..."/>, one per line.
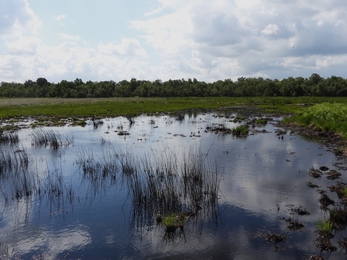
<point x="315" y="85"/>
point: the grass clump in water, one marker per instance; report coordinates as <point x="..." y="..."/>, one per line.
<point x="174" y="221"/>
<point x="241" y="130"/>
<point x="324" y="226"/>
<point x="261" y="121"/>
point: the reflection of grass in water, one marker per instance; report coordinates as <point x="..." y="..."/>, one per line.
<point x="50" y="138"/>
<point x="164" y="181"/>
<point x="170" y="183"/>
<point x="8" y="137"/>
<point x="338" y="217"/>
<point x="18" y="182"/>
<point x="13" y="161"/>
<point x="15" y="178"/>
<point x="6" y="251"/>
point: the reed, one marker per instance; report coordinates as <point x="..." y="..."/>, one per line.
<point x="131" y="120"/>
<point x="174" y="184"/>
<point x="96" y="168"/>
<point x="9" y="137"/>
<point x="15" y="177"/>
<point x="13" y="160"/>
<point x="97" y="123"/>
<point x="163" y="181"/>
<point x="50" y="138"/>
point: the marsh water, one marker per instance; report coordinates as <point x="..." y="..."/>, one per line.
<point x="79" y="200"/>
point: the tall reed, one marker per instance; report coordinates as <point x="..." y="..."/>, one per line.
<point x="41" y="137"/>
<point x="9" y="137"/>
<point x="15" y="177"/>
<point x="163" y="181"/>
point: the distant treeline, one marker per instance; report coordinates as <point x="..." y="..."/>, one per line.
<point x="315" y="85"/>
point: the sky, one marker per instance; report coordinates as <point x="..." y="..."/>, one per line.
<point x="171" y="39"/>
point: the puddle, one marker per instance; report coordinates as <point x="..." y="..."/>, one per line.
<point x="98" y="191"/>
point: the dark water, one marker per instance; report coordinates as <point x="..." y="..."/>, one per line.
<point x="69" y="214"/>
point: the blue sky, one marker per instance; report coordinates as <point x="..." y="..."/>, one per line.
<point x="171" y="39"/>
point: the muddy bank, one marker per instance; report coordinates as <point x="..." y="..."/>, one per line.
<point x="334" y="141"/>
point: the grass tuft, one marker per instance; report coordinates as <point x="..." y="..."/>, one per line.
<point x="241" y="130"/>
<point x="324" y="226"/>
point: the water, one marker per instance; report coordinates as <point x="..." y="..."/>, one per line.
<point x="73" y="215"/>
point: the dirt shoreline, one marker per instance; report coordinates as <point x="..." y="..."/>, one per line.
<point x="332" y="140"/>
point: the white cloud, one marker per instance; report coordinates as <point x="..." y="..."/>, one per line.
<point x="195" y="39"/>
<point x="70" y="37"/>
<point x="154" y="11"/>
<point x="169" y="33"/>
<point x="127" y="47"/>
<point x="270" y="29"/>
<point x="24" y="45"/>
<point x="252" y="36"/>
<point x="16" y="19"/>
<point x="69" y="60"/>
<point x="60" y="17"/>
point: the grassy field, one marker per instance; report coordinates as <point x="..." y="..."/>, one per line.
<point x="321" y="112"/>
<point x="11" y="108"/>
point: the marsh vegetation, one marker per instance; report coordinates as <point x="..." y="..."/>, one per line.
<point x="170" y="185"/>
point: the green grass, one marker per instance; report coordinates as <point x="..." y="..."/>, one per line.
<point x="241" y="130"/>
<point x="261" y="121"/>
<point x="109" y="107"/>
<point x="174" y="221"/>
<point x="324" y="226"/>
<point x="324" y="113"/>
<point x="324" y="116"/>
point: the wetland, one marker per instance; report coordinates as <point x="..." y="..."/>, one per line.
<point x="205" y="184"/>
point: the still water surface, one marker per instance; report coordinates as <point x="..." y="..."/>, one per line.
<point x="70" y="215"/>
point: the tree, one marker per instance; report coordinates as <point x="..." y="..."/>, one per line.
<point x="42" y="82"/>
